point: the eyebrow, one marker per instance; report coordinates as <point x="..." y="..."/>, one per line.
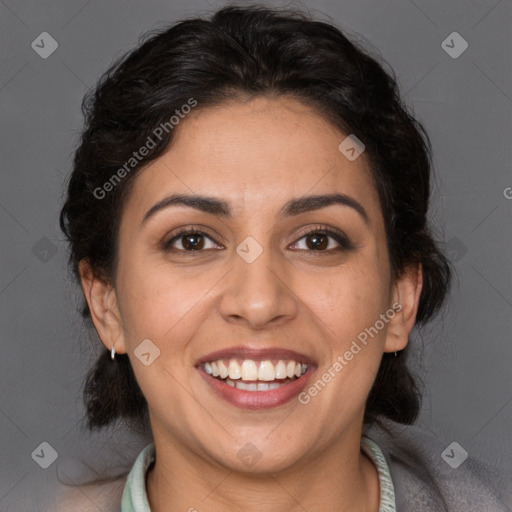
<point x="296" y="206"/>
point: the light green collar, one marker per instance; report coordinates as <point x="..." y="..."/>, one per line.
<point x="135" y="498"/>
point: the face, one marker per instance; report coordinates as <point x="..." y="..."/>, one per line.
<point x="267" y="284"/>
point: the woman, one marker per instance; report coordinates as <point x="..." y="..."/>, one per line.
<point x="247" y="216"/>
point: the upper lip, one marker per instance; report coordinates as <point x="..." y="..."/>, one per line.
<point x="257" y="354"/>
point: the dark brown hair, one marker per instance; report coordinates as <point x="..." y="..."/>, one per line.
<point x="243" y="52"/>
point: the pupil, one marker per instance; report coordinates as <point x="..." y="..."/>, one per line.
<point x="192" y="241"/>
<point x="319" y="241"/>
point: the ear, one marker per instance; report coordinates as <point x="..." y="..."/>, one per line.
<point x="102" y="301"/>
<point x="405" y="299"/>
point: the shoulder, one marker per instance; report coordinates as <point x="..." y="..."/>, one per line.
<point x="105" y="496"/>
<point x="427" y="477"/>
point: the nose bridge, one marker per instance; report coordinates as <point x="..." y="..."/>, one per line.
<point x="257" y="290"/>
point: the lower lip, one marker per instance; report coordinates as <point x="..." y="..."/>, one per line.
<point x="256" y="400"/>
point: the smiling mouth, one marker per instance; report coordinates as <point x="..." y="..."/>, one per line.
<point x="255" y="375"/>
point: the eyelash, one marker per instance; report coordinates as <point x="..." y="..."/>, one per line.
<point x="338" y="236"/>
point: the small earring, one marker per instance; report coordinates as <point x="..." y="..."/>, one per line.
<point x="113" y="353"/>
<point x="395" y="351"/>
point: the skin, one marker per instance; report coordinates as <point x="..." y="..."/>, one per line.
<point x="261" y="152"/>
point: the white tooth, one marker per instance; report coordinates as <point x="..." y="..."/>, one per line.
<point x="304" y="368"/>
<point x="215" y="369"/>
<point x="208" y="368"/>
<point x="249" y="370"/>
<point x="290" y="369"/>
<point x="274" y="385"/>
<point x="234" y="369"/>
<point x="262" y="386"/>
<point x="223" y="369"/>
<point x="298" y="370"/>
<point x="266" y="371"/>
<point x="246" y="386"/>
<point x="230" y="382"/>
<point x="281" y="370"/>
<point x="241" y="385"/>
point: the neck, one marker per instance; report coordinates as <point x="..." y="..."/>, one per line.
<point x="340" y="479"/>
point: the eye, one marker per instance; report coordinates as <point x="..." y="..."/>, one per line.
<point x="190" y="240"/>
<point x="320" y="240"/>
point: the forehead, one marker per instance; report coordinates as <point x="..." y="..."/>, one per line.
<point x="254" y="153"/>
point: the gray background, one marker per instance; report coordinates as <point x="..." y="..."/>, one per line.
<point x="465" y="104"/>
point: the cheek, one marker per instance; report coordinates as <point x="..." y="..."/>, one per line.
<point x="156" y="298"/>
<point x="349" y="307"/>
<point x="160" y="305"/>
<point x="349" y="300"/>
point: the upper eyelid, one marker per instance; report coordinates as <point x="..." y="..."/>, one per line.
<point x="327" y="229"/>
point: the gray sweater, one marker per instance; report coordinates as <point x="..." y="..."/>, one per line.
<point x="425" y="482"/>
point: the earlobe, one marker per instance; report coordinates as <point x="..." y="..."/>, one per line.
<point x="406" y="295"/>
<point x="102" y="301"/>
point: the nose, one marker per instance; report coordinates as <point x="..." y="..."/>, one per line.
<point x="259" y="293"/>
